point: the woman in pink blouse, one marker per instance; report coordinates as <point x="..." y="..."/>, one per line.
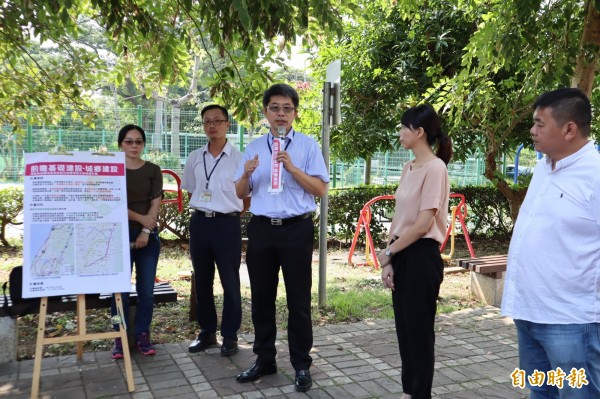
<point x="412" y="265"/>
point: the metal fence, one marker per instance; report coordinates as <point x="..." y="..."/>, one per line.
<point x="71" y="133"/>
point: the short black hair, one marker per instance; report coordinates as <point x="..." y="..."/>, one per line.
<point x="126" y="129"/>
<point x="568" y="105"/>
<point x="215" y="106"/>
<point x="281" y="89"/>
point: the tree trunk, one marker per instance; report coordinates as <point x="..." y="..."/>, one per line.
<point x="589" y="51"/>
<point x="113" y="88"/>
<point x="175" y="119"/>
<point x="585" y="73"/>
<point x="176" y="111"/>
<point x="515" y="197"/>
<point x="157" y="135"/>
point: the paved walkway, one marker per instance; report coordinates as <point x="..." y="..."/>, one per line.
<point x="476" y="351"/>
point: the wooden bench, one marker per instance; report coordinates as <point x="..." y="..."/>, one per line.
<point x="493" y="265"/>
<point x="487" y="277"/>
<point x="163" y="293"/>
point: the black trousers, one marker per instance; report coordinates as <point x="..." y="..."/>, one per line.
<point x="217" y="240"/>
<point x="270" y="248"/>
<point x="418" y="274"/>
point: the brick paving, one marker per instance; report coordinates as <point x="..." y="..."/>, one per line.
<point x="476" y="350"/>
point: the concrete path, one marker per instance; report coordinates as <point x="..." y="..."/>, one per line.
<point x="476" y="350"/>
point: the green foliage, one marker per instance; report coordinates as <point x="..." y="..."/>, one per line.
<point x="389" y="55"/>
<point x="56" y="52"/>
<point x="488" y="212"/>
<point x="177" y="223"/>
<point x="482" y="64"/>
<point x="344" y="210"/>
<point x="350" y="300"/>
<point x="165" y="160"/>
<point x="11" y="205"/>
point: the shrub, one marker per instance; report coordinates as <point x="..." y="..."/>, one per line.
<point x="174" y="221"/>
<point x="487" y="215"/>
<point x="165" y="160"/>
<point x="345" y="206"/>
<point x="487" y="211"/>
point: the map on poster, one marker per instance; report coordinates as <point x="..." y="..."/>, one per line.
<point x="76" y="233"/>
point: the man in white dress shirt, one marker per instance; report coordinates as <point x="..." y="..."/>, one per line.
<point x="215" y="232"/>
<point x="552" y="285"/>
<point x="284" y="170"/>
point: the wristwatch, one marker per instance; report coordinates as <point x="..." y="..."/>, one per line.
<point x="146" y="230"/>
<point x="388" y="252"/>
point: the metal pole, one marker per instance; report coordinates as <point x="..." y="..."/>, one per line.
<point x="324" y="199"/>
<point x="334" y="173"/>
<point x="240" y="137"/>
<point x="139" y="115"/>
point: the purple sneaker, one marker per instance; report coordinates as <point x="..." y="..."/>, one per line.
<point x="142" y="341"/>
<point x="117" y="349"/>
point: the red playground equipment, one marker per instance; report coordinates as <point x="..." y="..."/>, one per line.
<point x="177" y="200"/>
<point x="457" y="211"/>
<point x="364" y="219"/>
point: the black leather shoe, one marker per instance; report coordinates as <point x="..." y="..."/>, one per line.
<point x="229" y="347"/>
<point x="204" y="341"/>
<point x="303" y="381"/>
<point x="256" y="371"/>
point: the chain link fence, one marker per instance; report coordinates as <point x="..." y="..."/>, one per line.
<point x="170" y="144"/>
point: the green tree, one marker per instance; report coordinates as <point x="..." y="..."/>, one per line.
<point x="481" y="63"/>
<point x="390" y="55"/>
<point x="520" y="50"/>
<point x="154" y="43"/>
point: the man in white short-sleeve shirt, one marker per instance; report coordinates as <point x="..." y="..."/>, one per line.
<point x="552" y="284"/>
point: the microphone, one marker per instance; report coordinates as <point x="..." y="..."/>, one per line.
<point x="281" y="134"/>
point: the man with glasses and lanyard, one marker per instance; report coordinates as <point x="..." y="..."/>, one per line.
<point x="284" y="170"/>
<point x="215" y="232"/>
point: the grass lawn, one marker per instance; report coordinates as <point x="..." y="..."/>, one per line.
<point x="353" y="293"/>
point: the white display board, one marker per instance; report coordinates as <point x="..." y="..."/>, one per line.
<point x="76" y="237"/>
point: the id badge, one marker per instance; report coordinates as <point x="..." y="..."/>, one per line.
<point x="206" y="196"/>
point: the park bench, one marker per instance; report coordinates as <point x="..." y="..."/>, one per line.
<point x="163" y="293"/>
<point x="487" y="277"/>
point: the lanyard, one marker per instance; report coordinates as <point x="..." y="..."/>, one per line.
<point x="213" y="168"/>
<point x="286" y="144"/>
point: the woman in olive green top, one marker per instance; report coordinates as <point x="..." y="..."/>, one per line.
<point x="144" y="194"/>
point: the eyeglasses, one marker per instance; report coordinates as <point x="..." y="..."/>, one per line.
<point x="132" y="142"/>
<point x="216" y="122"/>
<point x="276" y="108"/>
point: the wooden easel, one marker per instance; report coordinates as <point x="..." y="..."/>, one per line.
<point x="79" y="338"/>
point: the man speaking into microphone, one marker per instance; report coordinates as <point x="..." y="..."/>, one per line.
<point x="283" y="170"/>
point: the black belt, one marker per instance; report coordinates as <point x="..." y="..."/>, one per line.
<point x="282" y="221"/>
<point x="211" y="214"/>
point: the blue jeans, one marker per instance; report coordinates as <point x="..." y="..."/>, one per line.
<point x="146" y="261"/>
<point x="544" y="347"/>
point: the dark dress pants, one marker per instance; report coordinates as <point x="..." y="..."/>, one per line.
<point x="418" y="274"/>
<point x="217" y="240"/>
<point x="289" y="247"/>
